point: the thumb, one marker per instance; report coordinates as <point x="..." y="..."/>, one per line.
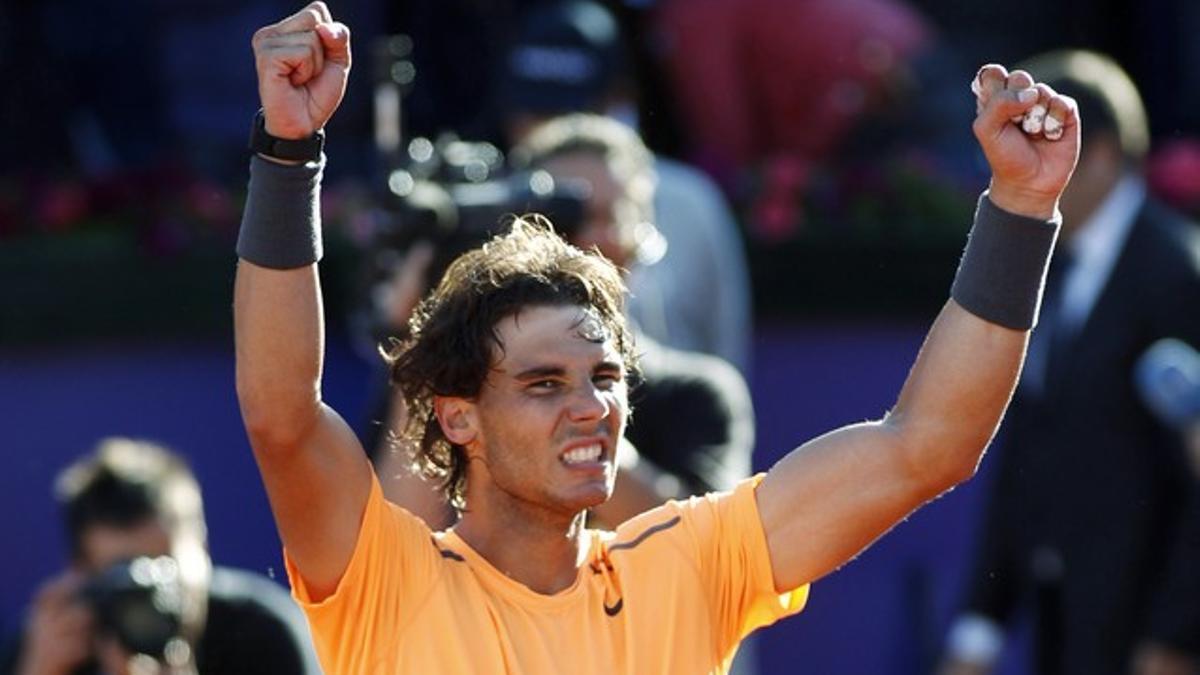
<point x="335" y="39"/>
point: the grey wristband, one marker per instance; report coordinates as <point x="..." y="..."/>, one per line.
<point x="281" y="225"/>
<point x="1004" y="265"/>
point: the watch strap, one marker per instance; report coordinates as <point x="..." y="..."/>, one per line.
<point x="295" y="150"/>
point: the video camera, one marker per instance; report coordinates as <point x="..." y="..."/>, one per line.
<point x="456" y="195"/>
<point x="452" y="193"/>
<point x="140" y="602"/>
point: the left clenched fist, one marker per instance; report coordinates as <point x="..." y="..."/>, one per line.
<point x="303" y="63"/>
<point x="1030" y="136"/>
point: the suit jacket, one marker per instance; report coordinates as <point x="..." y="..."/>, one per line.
<point x="1095" y="515"/>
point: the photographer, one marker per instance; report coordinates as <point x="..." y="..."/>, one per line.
<point x="140" y="594"/>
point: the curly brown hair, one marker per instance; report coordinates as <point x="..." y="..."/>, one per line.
<point x="453" y="341"/>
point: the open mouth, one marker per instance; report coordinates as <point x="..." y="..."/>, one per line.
<point x="583" y="454"/>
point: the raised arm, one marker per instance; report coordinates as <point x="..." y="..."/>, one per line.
<point x="316" y="475"/>
<point x="830" y="498"/>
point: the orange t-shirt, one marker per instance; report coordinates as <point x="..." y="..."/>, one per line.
<point x="673" y="590"/>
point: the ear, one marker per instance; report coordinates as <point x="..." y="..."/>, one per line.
<point x="457" y="419"/>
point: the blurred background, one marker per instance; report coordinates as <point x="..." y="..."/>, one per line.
<point x="838" y="134"/>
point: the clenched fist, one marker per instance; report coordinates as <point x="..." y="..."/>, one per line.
<point x="303" y="63"/>
<point x="1030" y="136"/>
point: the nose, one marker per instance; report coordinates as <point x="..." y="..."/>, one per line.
<point x="589" y="403"/>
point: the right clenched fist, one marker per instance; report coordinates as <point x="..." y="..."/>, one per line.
<point x="303" y="63"/>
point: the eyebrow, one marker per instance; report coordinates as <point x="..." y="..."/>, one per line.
<point x="608" y="365"/>
<point x="539" y="372"/>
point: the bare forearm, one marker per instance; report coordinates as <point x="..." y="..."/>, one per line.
<point x="278" y="329"/>
<point x="955" y="395"/>
<point x="853" y="484"/>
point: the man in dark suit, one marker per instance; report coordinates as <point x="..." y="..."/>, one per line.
<point x="1094" y="522"/>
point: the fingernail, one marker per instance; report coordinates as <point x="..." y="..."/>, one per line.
<point x="1034" y="120"/>
<point x="1027" y="95"/>
<point x="1052" y="128"/>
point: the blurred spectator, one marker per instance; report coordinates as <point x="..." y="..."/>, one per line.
<point x="459" y="51"/>
<point x="140" y="588"/>
<point x="1094" y="519"/>
<point x="568" y="57"/>
<point x="786" y="99"/>
<point x="757" y="77"/>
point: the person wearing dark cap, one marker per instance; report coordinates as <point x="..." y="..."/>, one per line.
<point x="565" y="57"/>
<point x="1094" y="517"/>
<point x="690" y="286"/>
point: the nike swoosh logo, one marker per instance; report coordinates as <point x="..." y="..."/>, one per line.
<point x="615" y="609"/>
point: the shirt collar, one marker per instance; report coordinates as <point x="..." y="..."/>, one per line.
<point x="1105" y="230"/>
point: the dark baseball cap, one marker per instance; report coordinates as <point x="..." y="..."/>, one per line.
<point x="564" y="57"/>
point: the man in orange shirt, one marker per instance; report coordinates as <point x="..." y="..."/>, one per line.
<point x="515" y="376"/>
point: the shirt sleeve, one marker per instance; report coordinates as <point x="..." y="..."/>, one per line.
<point x="394" y="566"/>
<point x="735" y="564"/>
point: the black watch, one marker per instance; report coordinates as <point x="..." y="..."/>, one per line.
<point x="296" y="150"/>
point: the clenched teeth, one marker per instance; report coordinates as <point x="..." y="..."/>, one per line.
<point x="586" y="453"/>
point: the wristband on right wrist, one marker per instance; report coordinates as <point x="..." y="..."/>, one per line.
<point x="1003" y="267"/>
<point x="281" y="224"/>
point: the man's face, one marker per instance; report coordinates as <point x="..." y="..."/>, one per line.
<point x="549" y="415"/>
<point x="610" y="215"/>
<point x="104" y="545"/>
